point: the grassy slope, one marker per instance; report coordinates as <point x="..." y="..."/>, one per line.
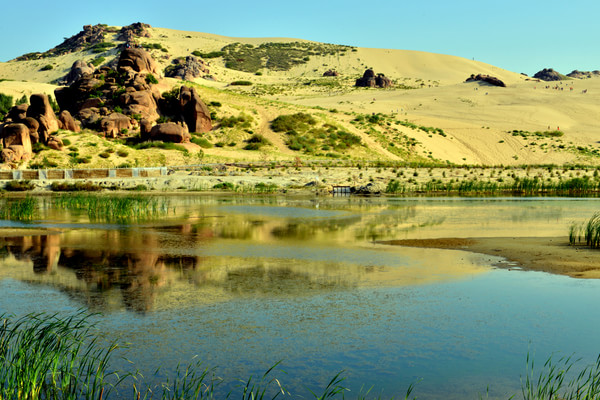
<point x="475" y="118"/>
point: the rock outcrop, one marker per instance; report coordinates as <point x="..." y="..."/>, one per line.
<point x="170" y="132"/>
<point x="370" y="79"/>
<point x="492" y="80"/>
<point x="131" y="32"/>
<point x="36" y="121"/>
<point x="583" y="74"/>
<point x="67" y="121"/>
<point x="193" y="110"/>
<point x="187" y="69"/>
<point x="331" y="72"/>
<point x="78" y="69"/>
<point x="548" y="74"/>
<point x="16" y="143"/>
<point x="137" y="61"/>
<point x="114" y="123"/>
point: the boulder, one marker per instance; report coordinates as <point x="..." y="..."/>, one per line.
<point x="55" y="143"/>
<point x="78" y="70"/>
<point x="492" y="80"/>
<point x="112" y="124"/>
<point x="41" y="110"/>
<point x="137" y="60"/>
<point x="370" y="79"/>
<point x="68" y="122"/>
<point x="187" y="69"/>
<point x="135" y="30"/>
<point x="145" y="128"/>
<point x="18" y="112"/>
<point x="170" y="132"/>
<point x="331" y="73"/>
<point x="8" y="156"/>
<point x="193" y="110"/>
<point x="33" y="127"/>
<point x="17" y="135"/>
<point x="142" y="102"/>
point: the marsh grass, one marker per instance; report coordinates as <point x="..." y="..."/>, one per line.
<point x="20" y="209"/>
<point x="129" y="208"/>
<point x="47" y="357"/>
<point x="560" y="380"/>
<point x="589" y="232"/>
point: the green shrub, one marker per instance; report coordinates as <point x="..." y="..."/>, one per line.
<point x="287" y="123"/>
<point x="151" y="79"/>
<point x="18" y="186"/>
<point x="22" y="100"/>
<point x="104" y="154"/>
<point x="6" y="102"/>
<point x="97" y="61"/>
<point x="256" y="141"/>
<point x="66" y="142"/>
<point x="47" y="67"/>
<point x="75" y="187"/>
<point x="241" y="83"/>
<point x="202" y="142"/>
<point x="224" y="186"/>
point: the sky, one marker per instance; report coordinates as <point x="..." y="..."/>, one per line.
<point x="520" y="36"/>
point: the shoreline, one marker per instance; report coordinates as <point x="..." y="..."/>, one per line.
<point x="545" y="254"/>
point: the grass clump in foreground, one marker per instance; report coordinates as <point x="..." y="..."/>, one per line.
<point x="47" y="357"/>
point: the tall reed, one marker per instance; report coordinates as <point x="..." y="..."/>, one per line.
<point x="20" y="210"/>
<point x="115" y="209"/>
<point x="589" y="231"/>
<point x="47" y="357"/>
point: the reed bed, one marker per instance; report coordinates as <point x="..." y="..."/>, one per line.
<point x="588" y="232"/>
<point x="19" y="209"/>
<point x="115" y="209"/>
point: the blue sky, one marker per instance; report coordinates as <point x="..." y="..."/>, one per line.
<point x="521" y="36"/>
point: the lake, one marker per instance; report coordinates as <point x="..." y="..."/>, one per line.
<point x="244" y="282"/>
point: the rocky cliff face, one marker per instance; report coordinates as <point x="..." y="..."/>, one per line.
<point x="548" y="74"/>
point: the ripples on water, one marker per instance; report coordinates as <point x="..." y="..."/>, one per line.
<point x="245" y="282"/>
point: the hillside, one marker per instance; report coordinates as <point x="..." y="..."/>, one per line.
<point x="430" y="114"/>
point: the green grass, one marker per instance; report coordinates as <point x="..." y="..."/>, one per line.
<point x="19" y="209"/>
<point x="588" y="232"/>
<point x="47" y="357"/>
<point x="121" y="209"/>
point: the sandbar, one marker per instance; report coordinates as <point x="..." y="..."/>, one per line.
<point x="548" y="254"/>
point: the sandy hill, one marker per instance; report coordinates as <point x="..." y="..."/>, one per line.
<point x="430" y="114"/>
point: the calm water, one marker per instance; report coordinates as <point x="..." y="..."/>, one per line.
<point x="242" y="283"/>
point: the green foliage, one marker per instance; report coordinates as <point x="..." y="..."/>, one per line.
<point x="224" y="186"/>
<point x="22" y="100"/>
<point x="101" y="47"/>
<point x="75" y="187"/>
<point x="118" y="109"/>
<point x="6" y="102"/>
<point x="18" y="186"/>
<point x="47" y="67"/>
<point x="53" y="104"/>
<point x="129" y="208"/>
<point x="20" y="210"/>
<point x="154" y="46"/>
<point x="158" y="145"/>
<point x="274" y="56"/>
<point x="242" y="121"/>
<point x="256" y="141"/>
<point x="554" y="133"/>
<point x="202" y="142"/>
<point x="241" y="83"/>
<point x="151" y="79"/>
<point x="212" y="54"/>
<point x="294" y="122"/>
<point x="98" y="61"/>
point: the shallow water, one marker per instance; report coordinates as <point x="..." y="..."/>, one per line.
<point x="245" y="282"/>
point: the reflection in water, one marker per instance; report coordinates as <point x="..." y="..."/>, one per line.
<point x="243" y="282"/>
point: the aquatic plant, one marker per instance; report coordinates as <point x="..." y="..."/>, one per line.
<point x="556" y="380"/>
<point x="590" y="232"/>
<point x="115" y="209"/>
<point x="48" y="357"/>
<point x="20" y="209"/>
